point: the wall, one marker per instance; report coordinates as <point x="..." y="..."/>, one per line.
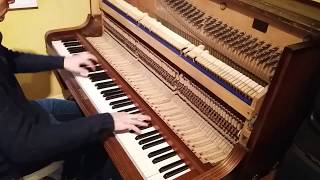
<point x="25" y="29"/>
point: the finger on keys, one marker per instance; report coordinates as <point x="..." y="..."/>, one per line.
<point x="88" y="63"/>
<point x="134" y="128"/>
<point x="142" y="117"/>
<point x="84" y="72"/>
<point x="137" y="122"/>
<point x="92" y="58"/>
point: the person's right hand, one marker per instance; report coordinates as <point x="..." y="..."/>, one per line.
<point x="79" y="63"/>
<point x="125" y="121"/>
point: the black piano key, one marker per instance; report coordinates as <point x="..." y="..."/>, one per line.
<point x="120" y="101"/>
<point x="97" y="68"/>
<point x="105" y="84"/>
<point x="147" y="134"/>
<point x="154" y="143"/>
<point x="122" y="105"/>
<point x="141" y="128"/>
<point x="71" y="43"/>
<point x="128" y="110"/>
<point x="159" y="151"/>
<point x="163" y="157"/>
<point x="111" y="92"/>
<point x="145" y="127"/>
<point x="149" y="139"/>
<point x="120" y="94"/>
<point x="98" y="76"/>
<point x="176" y="171"/>
<point x="75" y="51"/>
<point x="90" y="69"/>
<point x="170" y="166"/>
<point x="69" y="40"/>
<point x="76" y="48"/>
<point x="93" y="75"/>
<point x="135" y="112"/>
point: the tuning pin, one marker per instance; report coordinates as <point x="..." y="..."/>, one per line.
<point x="232" y="37"/>
<point x="182" y="5"/>
<point x="264" y="54"/>
<point x="274" y="59"/>
<point x="261" y="50"/>
<point x="240" y="40"/>
<point x="185" y="9"/>
<point x="251" y="44"/>
<point x="169" y="2"/>
<point x="209" y="19"/>
<point x="193" y="14"/>
<point x="236" y="39"/>
<point x="177" y="3"/>
<point x="226" y="32"/>
<point x="218" y="29"/>
<point x="190" y="11"/>
<point x="211" y="25"/>
<point x="246" y="38"/>
<point x="196" y="18"/>
<point x="245" y="43"/>
<point x="199" y="23"/>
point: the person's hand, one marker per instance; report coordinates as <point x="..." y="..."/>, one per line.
<point x="79" y="63"/>
<point x="125" y="121"/>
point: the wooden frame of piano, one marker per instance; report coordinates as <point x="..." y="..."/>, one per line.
<point x="281" y="110"/>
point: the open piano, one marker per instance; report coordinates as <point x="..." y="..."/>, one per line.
<point x="225" y="82"/>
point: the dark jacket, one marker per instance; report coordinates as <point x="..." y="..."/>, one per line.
<point x="24" y="138"/>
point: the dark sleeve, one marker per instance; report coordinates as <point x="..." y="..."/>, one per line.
<point x="27" y="62"/>
<point x="23" y="142"/>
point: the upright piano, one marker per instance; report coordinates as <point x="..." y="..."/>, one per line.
<point x="226" y="83"/>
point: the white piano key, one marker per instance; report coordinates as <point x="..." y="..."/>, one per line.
<point x="160" y="175"/>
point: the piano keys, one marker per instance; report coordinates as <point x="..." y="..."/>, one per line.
<point x="112" y="99"/>
<point x="204" y="105"/>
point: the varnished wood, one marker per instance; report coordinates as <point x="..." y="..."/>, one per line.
<point x="91" y="27"/>
<point x="94" y="8"/>
<point x="287" y="103"/>
<point x="226" y="166"/>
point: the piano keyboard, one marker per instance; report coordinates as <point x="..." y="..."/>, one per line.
<point x="152" y="155"/>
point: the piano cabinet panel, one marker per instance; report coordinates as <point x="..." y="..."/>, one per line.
<point x="287" y="103"/>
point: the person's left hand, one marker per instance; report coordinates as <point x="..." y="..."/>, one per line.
<point x="80" y="63"/>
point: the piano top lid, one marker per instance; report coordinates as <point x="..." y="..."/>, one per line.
<point x="294" y="13"/>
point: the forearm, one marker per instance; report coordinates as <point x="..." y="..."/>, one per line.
<point x="22" y="139"/>
<point x="24" y="62"/>
<point x="46" y="142"/>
